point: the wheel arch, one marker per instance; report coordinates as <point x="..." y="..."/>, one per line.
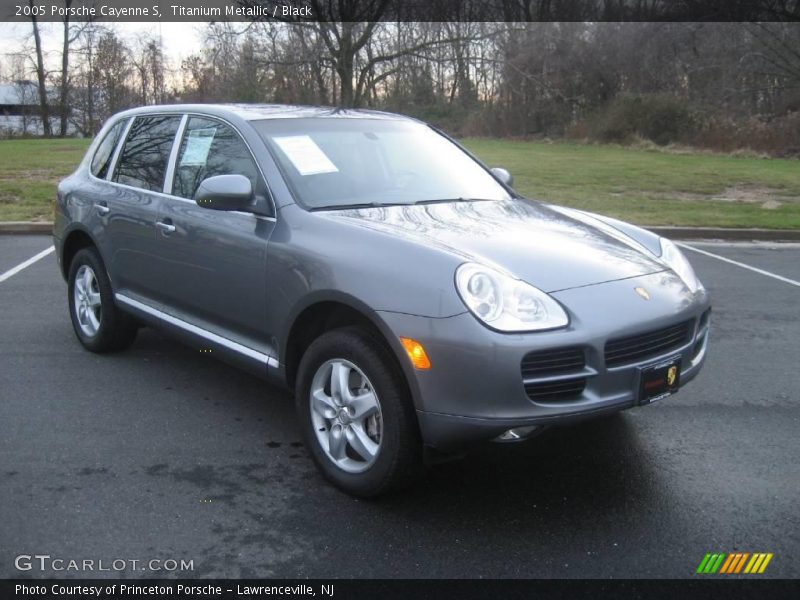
<point x="325" y="311"/>
<point x="74" y="241"/>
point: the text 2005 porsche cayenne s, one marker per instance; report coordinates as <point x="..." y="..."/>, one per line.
<point x="405" y="292"/>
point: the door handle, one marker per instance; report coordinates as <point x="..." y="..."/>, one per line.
<point x="102" y="209"/>
<point x="165" y="227"/>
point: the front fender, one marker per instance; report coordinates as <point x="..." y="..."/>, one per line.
<point x="641" y="236"/>
<point x="318" y="297"/>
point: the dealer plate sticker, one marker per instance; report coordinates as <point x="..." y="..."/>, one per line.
<point x="659" y="381"/>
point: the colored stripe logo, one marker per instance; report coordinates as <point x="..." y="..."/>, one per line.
<point x="734" y="563"/>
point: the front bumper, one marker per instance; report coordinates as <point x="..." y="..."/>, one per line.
<point x="475" y="389"/>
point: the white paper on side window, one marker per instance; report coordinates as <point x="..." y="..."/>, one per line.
<point x="198" y="143"/>
<point x="306" y="156"/>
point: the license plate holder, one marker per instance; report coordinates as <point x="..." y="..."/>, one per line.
<point x="660" y="380"/>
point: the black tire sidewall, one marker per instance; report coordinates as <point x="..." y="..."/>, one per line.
<point x="400" y="450"/>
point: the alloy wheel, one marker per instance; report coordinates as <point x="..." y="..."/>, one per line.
<point x="346" y="415"/>
<point x="86" y="299"/>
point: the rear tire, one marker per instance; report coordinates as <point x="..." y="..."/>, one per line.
<point x="362" y="433"/>
<point x="99" y="325"/>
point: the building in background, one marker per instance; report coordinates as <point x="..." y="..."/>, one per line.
<point x="20" y="114"/>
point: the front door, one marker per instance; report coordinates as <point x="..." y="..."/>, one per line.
<point x="213" y="263"/>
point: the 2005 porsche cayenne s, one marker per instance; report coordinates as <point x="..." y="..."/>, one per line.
<point x="411" y="299"/>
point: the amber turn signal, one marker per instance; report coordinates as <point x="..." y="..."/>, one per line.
<point x="416" y="353"/>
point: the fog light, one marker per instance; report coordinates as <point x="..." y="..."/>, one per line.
<point x="416" y="353"/>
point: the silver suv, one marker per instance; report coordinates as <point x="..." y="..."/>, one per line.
<point x="410" y="298"/>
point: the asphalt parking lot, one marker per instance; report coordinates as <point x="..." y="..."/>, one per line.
<point x="161" y="452"/>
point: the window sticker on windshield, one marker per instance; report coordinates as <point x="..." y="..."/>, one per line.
<point x="198" y="143"/>
<point x="306" y="156"/>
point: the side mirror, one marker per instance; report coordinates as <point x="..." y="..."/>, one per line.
<point x="503" y="175"/>
<point x="225" y="192"/>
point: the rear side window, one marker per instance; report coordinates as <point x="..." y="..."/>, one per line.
<point x="102" y="156"/>
<point x="144" y="157"/>
<point x="210" y="148"/>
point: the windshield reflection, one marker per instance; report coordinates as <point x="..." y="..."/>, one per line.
<point x="344" y="162"/>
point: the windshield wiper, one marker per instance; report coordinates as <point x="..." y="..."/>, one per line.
<point x="346" y="206"/>
<point x="357" y="205"/>
<point x="459" y="199"/>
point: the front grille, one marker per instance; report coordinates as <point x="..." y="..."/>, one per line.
<point x="637" y="348"/>
<point x="556" y="391"/>
<point x="554" y="363"/>
<point x="544" y="363"/>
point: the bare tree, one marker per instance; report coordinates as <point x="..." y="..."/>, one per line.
<point x="494" y="78"/>
<point x="150" y="67"/>
<point x="85" y="94"/>
<point x="70" y="34"/>
<point x="41" y="75"/>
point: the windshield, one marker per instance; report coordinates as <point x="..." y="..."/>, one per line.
<point x="345" y="162"/>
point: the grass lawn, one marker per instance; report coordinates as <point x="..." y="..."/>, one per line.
<point x="649" y="187"/>
<point x="29" y="172"/>
<point x="641" y="186"/>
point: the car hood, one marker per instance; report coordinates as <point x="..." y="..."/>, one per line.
<point x="532" y="241"/>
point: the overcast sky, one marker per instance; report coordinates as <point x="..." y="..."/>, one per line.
<point x="180" y="39"/>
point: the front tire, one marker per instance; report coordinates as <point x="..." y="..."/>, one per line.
<point x="356" y="413"/>
<point x="99" y="325"/>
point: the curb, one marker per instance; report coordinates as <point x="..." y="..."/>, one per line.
<point x="727" y="234"/>
<point x="678" y="233"/>
<point x="25" y="227"/>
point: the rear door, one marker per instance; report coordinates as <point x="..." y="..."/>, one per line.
<point x="213" y="263"/>
<point x="95" y="195"/>
<point x="131" y="209"/>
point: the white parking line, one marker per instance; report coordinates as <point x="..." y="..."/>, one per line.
<point x="26" y="264"/>
<point x="739" y="264"/>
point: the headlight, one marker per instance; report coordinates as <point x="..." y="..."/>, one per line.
<point x="505" y="303"/>
<point x="676" y="261"/>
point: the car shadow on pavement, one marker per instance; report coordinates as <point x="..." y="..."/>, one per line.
<point x="247" y="487"/>
<point x="592" y="469"/>
<point x="587" y="468"/>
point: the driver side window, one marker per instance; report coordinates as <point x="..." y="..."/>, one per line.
<point x="210" y="147"/>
